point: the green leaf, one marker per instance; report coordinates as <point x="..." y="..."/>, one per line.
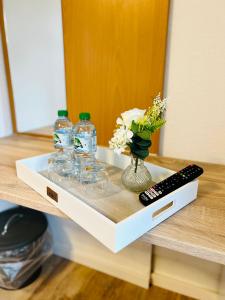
<point x="145" y="135"/>
<point x="134" y="127"/>
<point x="139" y="153"/>
<point x="155" y="125"/>
<point x="141" y="142"/>
<point x="139" y="147"/>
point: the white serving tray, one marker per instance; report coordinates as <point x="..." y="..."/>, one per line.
<point x="118" y="219"/>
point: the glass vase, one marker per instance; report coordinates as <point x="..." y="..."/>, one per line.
<point x="136" y="177"/>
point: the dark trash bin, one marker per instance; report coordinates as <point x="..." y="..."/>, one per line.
<point x="24" y="245"/>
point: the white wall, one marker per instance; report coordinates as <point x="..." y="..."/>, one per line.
<point x="35" y="48"/>
<point x="195" y="81"/>
<point x="5" y="115"/>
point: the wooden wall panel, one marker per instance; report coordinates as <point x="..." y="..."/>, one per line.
<point x="114" y="57"/>
<point x="7" y="68"/>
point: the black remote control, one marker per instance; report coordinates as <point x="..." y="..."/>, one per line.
<point x="170" y="184"/>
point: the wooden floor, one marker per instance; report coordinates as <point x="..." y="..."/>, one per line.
<point x="65" y="280"/>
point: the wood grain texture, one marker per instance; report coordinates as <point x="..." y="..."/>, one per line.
<point x="184" y="274"/>
<point x="64" y="280"/>
<point x="114" y="58"/>
<point x="7" y="67"/>
<point x="201" y="225"/>
<point x="181" y="286"/>
<point x="198" y="229"/>
<point x="222" y="284"/>
<point x="13" y="189"/>
<point x="46" y="131"/>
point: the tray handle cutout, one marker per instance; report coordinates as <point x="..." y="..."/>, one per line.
<point x="162" y="209"/>
<point x="52" y="194"/>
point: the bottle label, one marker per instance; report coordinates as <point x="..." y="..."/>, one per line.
<point x="84" y="143"/>
<point x="62" y="138"/>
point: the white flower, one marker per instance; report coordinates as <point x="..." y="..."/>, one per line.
<point x="119" y="121"/>
<point x="123" y="135"/>
<point x="152" y="118"/>
<point x="129" y="116"/>
<point x="120" y="139"/>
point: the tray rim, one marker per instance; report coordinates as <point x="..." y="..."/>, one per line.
<point x="24" y="161"/>
<point x="112" y="234"/>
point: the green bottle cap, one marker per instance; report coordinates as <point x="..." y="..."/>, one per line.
<point x="62" y="113"/>
<point x="85" y="116"/>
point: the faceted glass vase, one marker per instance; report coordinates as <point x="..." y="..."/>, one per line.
<point x="136" y="177"/>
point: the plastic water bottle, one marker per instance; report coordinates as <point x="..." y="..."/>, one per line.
<point x="63" y="131"/>
<point x="62" y="160"/>
<point x="85" y="146"/>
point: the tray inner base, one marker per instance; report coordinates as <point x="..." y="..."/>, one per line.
<point x="110" y="197"/>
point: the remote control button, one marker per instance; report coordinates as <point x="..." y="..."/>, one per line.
<point x="154" y="191"/>
<point x="148" y="194"/>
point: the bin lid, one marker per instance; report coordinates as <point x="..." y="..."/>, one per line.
<point x="20" y="226"/>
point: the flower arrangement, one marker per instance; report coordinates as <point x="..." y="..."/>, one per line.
<point x="135" y="127"/>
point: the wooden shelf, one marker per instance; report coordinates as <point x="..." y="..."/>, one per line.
<point x="12" y="188"/>
<point x="198" y="229"/>
<point x="46" y="131"/>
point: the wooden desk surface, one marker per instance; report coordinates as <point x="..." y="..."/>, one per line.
<point x="198" y="229"/>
